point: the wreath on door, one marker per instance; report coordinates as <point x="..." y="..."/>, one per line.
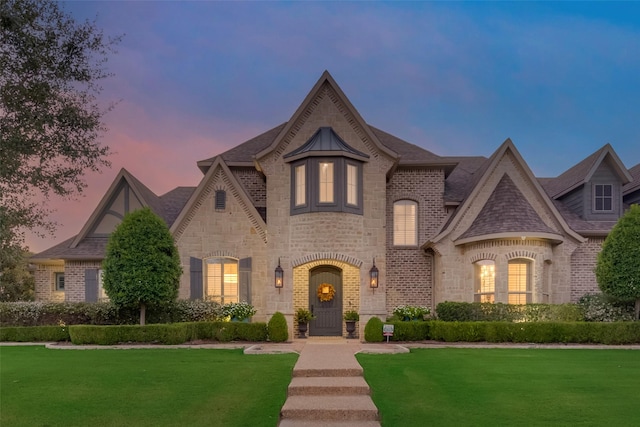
<point x="326" y="292"/>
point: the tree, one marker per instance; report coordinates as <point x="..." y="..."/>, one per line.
<point x="50" y="118"/>
<point x="16" y="281"/>
<point x="618" y="266"/>
<point x="142" y="265"/>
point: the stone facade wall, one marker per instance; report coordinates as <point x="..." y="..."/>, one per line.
<point x="583" y="263"/>
<point x="409" y="278"/>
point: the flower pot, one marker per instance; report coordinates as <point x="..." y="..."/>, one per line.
<point x="351" y="328"/>
<point x="302" y="329"/>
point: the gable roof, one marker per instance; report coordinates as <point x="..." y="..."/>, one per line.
<point x="515" y="213"/>
<point x="634" y="184"/>
<point x="479" y="179"/>
<point x="87" y="247"/>
<point x="582" y="172"/>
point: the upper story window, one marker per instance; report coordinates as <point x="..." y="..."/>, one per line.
<point x="603" y="197"/>
<point x="326" y="175"/>
<point x="485" y="281"/>
<point x="405" y="223"/>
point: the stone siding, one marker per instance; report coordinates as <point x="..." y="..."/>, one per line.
<point x="583" y="263"/>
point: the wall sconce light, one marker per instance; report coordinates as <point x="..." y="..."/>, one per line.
<point x="373" y="276"/>
<point x="279" y="277"/>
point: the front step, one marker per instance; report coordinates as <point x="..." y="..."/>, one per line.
<point x="328" y="372"/>
<point x="337" y="386"/>
<point x="303" y="423"/>
<point x="329" y="408"/>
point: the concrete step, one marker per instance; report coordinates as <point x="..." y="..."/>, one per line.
<point x="337" y="386"/>
<point x="327" y="372"/>
<point x="303" y="423"/>
<point x="329" y="408"/>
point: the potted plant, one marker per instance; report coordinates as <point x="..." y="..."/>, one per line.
<point x="303" y="317"/>
<point x="350" y="318"/>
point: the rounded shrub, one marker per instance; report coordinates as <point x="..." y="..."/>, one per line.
<point x="277" y="329"/>
<point x="373" y="330"/>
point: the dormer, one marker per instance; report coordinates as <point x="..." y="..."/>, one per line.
<point x="326" y="175"/>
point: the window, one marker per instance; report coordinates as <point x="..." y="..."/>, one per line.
<point x="300" y="185"/>
<point x="326" y="182"/>
<point x="485" y="281"/>
<point x="221" y="280"/>
<point x="59" y="282"/>
<point x="519" y="281"/>
<point x="326" y="185"/>
<point x="220" y="200"/>
<point x="603" y="197"/>
<point x="352" y="185"/>
<point x="405" y="231"/>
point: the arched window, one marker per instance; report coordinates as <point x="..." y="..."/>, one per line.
<point x="221" y="275"/>
<point x="519" y="281"/>
<point x="405" y="223"/>
<point x="485" y="281"/>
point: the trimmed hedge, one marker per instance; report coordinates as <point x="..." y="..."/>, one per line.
<point x="498" y="312"/>
<point x="537" y="332"/>
<point x="34" y="334"/>
<point x="104" y="313"/>
<point x="175" y="333"/>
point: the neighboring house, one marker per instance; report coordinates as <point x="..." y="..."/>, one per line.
<point x="330" y="200"/>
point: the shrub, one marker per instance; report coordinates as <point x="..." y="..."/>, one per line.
<point x="602" y="308"/>
<point x="34" y="333"/>
<point x="373" y="330"/>
<point x="499" y="312"/>
<point x="251" y="331"/>
<point x="277" y="328"/>
<point x="410" y="312"/>
<point x="410" y="331"/>
<point x="238" y="310"/>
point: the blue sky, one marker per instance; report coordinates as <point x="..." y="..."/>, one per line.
<point x="457" y="78"/>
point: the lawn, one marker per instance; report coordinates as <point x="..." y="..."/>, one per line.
<point x="505" y="387"/>
<point x="154" y="387"/>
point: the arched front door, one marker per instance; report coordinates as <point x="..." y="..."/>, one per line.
<point x="328" y="321"/>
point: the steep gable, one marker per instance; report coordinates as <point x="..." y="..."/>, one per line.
<point x="504" y="180"/>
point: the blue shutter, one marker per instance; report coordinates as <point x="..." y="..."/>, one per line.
<point x="197" y="290"/>
<point x="244" y="271"/>
<point x="91" y="285"/>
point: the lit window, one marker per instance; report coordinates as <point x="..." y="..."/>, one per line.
<point x="519" y="281"/>
<point x="326" y="182"/>
<point x="405" y="230"/>
<point x="301" y="186"/>
<point x="59" y="282"/>
<point x="352" y="185"/>
<point x="603" y="197"/>
<point x="485" y="281"/>
<point x="222" y="280"/>
<point x="102" y="295"/>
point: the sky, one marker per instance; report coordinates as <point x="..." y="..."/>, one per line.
<point x="193" y="79"/>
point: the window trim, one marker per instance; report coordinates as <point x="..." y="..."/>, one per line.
<point x="415" y="223"/>
<point x="529" y="280"/>
<point x="603" y="197"/>
<point x="57" y="278"/>
<point x="479" y="295"/>
<point x="205" y="271"/>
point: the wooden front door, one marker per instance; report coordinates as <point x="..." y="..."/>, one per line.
<point x="328" y="321"/>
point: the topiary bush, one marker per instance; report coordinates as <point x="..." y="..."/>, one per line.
<point x="373" y="330"/>
<point x="277" y="329"/>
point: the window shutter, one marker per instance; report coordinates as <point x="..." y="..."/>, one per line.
<point x="244" y="271"/>
<point x="197" y="291"/>
<point x="91" y="285"/>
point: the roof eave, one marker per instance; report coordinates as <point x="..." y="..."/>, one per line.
<point x="523" y="235"/>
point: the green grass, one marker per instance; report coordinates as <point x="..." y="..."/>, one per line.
<point x="155" y="387"/>
<point x="505" y="387"/>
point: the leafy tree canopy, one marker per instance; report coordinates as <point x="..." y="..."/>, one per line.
<point x="50" y="119"/>
<point x="618" y="266"/>
<point x="16" y="281"/>
<point x="142" y="265"/>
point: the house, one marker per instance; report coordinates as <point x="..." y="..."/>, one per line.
<point x="329" y="213"/>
